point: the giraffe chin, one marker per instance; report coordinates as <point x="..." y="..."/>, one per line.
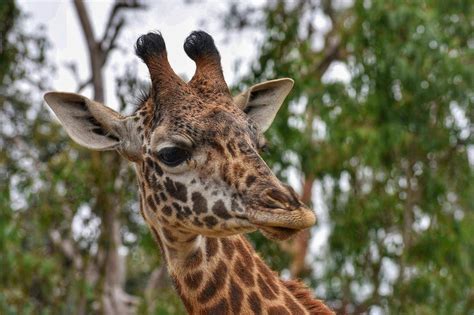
<point x="277" y="233"/>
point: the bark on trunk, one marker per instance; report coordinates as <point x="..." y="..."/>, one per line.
<point x="301" y="241"/>
<point x="111" y="265"/>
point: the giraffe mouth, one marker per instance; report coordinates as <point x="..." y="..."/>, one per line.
<point x="277" y="233"/>
<point x="281" y="224"/>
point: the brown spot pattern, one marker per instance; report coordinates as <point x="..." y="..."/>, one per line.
<point x="199" y="203"/>
<point x="210" y="221"/>
<point x="278" y="310"/>
<point x="167" y="210"/>
<point x="265" y="290"/>
<point x="197" y="222"/>
<point x="176" y="189"/>
<point x="291" y="304"/>
<point x="254" y="303"/>
<point x="193" y="280"/>
<point x="215" y="284"/>
<point x="193" y="260"/>
<point x="177" y="285"/>
<point x="244" y="273"/>
<point x="244" y="252"/>
<point x="212" y="246"/>
<point x="168" y="235"/>
<point x="268" y="275"/>
<point x="235" y="296"/>
<point x="227" y="247"/>
<point x="250" y="180"/>
<point x="156" y="197"/>
<point x="153" y="165"/>
<point x="151" y="202"/>
<point x="220" y="308"/>
<point x="220" y="210"/>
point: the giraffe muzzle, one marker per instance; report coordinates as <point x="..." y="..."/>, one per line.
<point x="281" y="224"/>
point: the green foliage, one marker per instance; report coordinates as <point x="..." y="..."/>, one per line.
<point x="388" y="147"/>
<point x="28" y="280"/>
<point x="48" y="187"/>
<point x="392" y="158"/>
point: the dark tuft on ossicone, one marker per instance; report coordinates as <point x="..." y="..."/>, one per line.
<point x="150" y="44"/>
<point x="198" y="44"/>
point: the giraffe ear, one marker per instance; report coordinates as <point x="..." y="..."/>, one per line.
<point x="262" y="101"/>
<point x="90" y="124"/>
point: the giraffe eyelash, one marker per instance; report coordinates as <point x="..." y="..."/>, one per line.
<point x="142" y="96"/>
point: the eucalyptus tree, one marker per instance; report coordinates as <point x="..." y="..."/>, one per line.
<point x="388" y="147"/>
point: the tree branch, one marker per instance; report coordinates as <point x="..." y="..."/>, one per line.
<point x="111" y="45"/>
<point x="118" y="6"/>
<point x="83" y="85"/>
<point x="67" y="248"/>
<point x="95" y="51"/>
<point x="113" y="27"/>
<point x="111" y="266"/>
<point x="99" y="50"/>
<point x="86" y="24"/>
<point x="332" y="53"/>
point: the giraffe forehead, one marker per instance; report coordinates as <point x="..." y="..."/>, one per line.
<point x="202" y="125"/>
<point x="190" y="111"/>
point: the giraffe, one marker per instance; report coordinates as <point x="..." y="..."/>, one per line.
<point x="202" y="183"/>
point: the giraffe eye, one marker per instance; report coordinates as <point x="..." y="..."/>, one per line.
<point x="173" y="156"/>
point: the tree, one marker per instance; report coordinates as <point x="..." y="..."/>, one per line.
<point x="24" y="124"/>
<point x="64" y="216"/>
<point x="389" y="147"/>
<point x="106" y="167"/>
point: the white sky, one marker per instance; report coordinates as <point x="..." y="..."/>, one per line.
<point x="173" y="18"/>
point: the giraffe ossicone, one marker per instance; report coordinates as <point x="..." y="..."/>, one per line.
<point x="202" y="183"/>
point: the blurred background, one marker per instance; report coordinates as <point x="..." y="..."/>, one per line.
<point x="377" y="136"/>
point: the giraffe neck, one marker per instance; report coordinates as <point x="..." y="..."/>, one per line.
<point x="226" y="276"/>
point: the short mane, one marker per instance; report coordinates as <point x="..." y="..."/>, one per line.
<point x="306" y="298"/>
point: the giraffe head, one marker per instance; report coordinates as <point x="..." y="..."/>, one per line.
<point x="195" y="147"/>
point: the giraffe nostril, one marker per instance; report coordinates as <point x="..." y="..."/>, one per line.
<point x="275" y="198"/>
<point x="294" y="199"/>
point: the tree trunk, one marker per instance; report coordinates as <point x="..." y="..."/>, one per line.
<point x="300" y="243"/>
<point x="113" y="299"/>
